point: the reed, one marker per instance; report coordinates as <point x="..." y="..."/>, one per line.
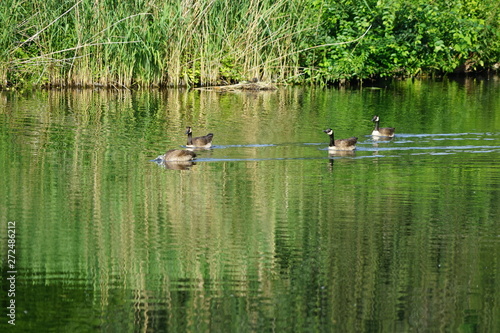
<point x="150" y="43"/>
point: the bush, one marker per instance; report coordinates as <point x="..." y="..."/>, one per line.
<point x="206" y="42"/>
<point x="406" y="38"/>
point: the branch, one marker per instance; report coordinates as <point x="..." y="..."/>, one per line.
<point x="72" y="49"/>
<point x="334" y="44"/>
<point x="322" y="45"/>
<point x="39" y="32"/>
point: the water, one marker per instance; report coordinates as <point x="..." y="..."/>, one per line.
<point x="266" y="231"/>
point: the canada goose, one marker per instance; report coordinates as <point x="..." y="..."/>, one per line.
<point x="382" y="131"/>
<point x="198" y="142"/>
<point x="177" y="155"/>
<point x="341" y="144"/>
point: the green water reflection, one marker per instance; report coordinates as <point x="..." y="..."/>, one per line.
<point x="265" y="232"/>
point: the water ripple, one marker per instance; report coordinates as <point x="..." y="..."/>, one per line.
<point x="402" y="144"/>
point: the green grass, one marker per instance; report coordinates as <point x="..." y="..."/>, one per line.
<point x="149" y="43"/>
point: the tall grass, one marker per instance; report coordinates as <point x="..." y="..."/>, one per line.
<point x="155" y="42"/>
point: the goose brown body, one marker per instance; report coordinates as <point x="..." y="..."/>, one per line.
<point x="341" y="144"/>
<point x="178" y="155"/>
<point x="382" y="131"/>
<point x="200" y="141"/>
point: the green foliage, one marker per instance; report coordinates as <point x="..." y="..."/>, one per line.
<point x="406" y="38"/>
<point x="127" y="43"/>
<point x="187" y="42"/>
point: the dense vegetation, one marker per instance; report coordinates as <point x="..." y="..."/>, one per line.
<point x="188" y="42"/>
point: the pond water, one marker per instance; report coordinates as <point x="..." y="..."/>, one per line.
<point x="266" y="231"/>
